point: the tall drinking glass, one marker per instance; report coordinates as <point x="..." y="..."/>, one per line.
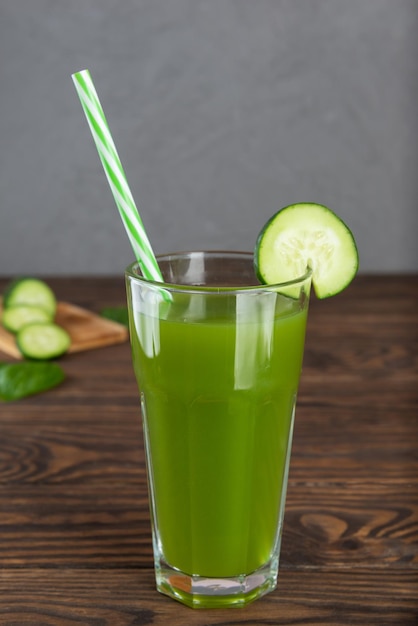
<point x="217" y="357"/>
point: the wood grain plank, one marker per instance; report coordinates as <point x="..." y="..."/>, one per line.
<point x="89" y="429"/>
<point x="46" y="440"/>
<point x="53" y="525"/>
<point x="123" y="597"/>
<point x="347" y="525"/>
<point x="68" y="452"/>
<point x="75" y="541"/>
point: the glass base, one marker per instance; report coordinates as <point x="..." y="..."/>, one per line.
<point x="200" y="592"/>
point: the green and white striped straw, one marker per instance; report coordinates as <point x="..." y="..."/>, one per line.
<point x="116" y="176"/>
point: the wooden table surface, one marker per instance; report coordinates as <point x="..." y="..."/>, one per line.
<point x="75" y="542"/>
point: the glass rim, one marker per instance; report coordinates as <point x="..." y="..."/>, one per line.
<point x="211" y="289"/>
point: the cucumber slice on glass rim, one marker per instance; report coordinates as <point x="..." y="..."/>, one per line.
<point x="307" y="235"/>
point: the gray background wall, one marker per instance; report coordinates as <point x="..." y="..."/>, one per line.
<point x="223" y="111"/>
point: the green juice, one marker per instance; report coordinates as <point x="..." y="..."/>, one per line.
<point x="218" y="397"/>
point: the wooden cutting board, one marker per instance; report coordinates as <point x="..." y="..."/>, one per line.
<point x="86" y="329"/>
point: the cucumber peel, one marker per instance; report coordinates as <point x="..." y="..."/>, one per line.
<point x="307" y="235"/>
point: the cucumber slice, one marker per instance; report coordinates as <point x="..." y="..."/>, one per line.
<point x="302" y="235"/>
<point x="30" y="291"/>
<point x="15" y="317"/>
<point x="42" y="341"/>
